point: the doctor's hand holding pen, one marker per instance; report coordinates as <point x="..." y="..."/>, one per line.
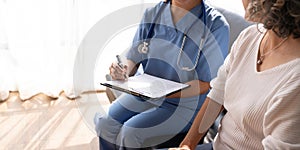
<point x="120" y="71"/>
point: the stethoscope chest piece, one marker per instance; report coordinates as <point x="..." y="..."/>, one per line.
<point x="143" y="48"/>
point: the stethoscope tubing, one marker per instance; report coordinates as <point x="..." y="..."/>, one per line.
<point x="143" y="48"/>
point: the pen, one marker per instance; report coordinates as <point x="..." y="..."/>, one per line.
<point x="119" y="61"/>
<point x="120" y="64"/>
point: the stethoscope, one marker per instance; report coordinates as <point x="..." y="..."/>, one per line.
<point x="143" y="48"/>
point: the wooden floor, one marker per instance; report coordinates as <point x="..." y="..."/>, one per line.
<point x="45" y="123"/>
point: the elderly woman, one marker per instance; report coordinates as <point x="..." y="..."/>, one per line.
<point x="258" y="84"/>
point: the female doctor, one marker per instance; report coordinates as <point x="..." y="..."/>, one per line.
<point x="180" y="40"/>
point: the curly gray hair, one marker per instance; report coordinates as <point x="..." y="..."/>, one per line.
<point x="281" y="16"/>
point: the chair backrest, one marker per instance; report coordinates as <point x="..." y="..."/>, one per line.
<point x="236" y="22"/>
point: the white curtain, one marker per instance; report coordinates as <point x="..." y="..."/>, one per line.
<point x="39" y="40"/>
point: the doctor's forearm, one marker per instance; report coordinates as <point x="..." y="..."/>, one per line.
<point x="132" y="67"/>
<point x="196" y="87"/>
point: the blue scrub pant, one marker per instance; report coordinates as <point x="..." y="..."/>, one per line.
<point x="134" y="123"/>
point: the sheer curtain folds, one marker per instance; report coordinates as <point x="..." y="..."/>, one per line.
<point x="39" y="41"/>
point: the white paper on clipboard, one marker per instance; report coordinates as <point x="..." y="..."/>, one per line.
<point x="146" y="86"/>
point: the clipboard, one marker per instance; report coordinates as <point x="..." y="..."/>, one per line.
<point x="146" y="86"/>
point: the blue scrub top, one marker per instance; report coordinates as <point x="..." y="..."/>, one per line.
<point x="166" y="40"/>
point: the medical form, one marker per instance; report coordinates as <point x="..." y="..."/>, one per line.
<point x="146" y="86"/>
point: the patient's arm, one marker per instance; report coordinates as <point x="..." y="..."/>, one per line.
<point x="204" y="119"/>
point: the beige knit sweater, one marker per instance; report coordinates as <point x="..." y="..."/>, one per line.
<point x="263" y="107"/>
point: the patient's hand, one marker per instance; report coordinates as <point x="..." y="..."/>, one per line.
<point x="184" y="147"/>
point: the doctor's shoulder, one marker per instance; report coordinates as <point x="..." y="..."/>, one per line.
<point x="215" y="18"/>
<point x="151" y="12"/>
